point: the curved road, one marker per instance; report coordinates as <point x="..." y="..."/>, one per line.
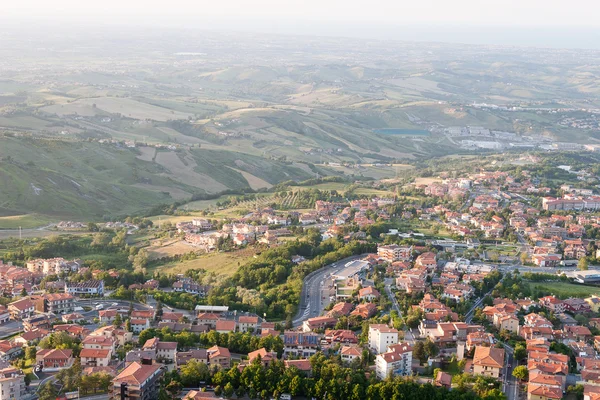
<point x="311" y="298"/>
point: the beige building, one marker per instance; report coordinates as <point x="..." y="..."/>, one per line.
<point x="507" y="322"/>
<point x="12" y="384"/>
<point x="488" y="361"/>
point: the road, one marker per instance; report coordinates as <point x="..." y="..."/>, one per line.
<point x="510" y="385"/>
<point x="312" y="302"/>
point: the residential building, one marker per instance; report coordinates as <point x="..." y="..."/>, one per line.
<point x="381" y="337"/>
<point x="91" y="288"/>
<point x="54" y="358"/>
<point x="95" y="358"/>
<point x="349" y="353"/>
<point x="21" y="309"/>
<point x="219" y="356"/>
<point x="12" y="384"/>
<point x="137" y="381"/>
<point x="396" y="361"/>
<point x="300" y="344"/>
<point x="488" y="361"/>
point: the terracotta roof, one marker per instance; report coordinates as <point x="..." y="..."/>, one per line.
<point x="544" y="391"/>
<point x="489" y="356"/>
<point x="55" y="353"/>
<point x="94" y="353"/>
<point x="137" y="373"/>
<point x="351" y="351"/>
<point x="302" y="365"/>
<point x="225" y="325"/>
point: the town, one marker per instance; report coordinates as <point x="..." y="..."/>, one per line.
<point x="479" y="283"/>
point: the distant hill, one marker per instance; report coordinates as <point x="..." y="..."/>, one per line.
<point x="89" y="180"/>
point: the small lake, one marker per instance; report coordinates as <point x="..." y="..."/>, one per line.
<point x="405" y="132"/>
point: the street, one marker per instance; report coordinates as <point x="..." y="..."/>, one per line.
<point x="311" y="298"/>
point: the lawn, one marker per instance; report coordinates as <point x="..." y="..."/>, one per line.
<point x="220" y="263"/>
<point x="25" y="221"/>
<point x="565" y="290"/>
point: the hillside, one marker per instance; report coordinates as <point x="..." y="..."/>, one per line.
<point x="77" y="179"/>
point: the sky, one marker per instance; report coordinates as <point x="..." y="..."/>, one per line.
<point x="368" y="18"/>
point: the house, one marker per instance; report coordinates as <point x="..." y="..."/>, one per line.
<point x="21" y="309"/>
<point x="4" y="314"/>
<point x="393" y="252"/>
<point x="41" y="321"/>
<point x="302" y="365"/>
<point x="162" y="350"/>
<point x="508" y="322"/>
<point x="443" y="379"/>
<point x="552" y="303"/>
<point x="208" y="319"/>
<point x="99" y="342"/>
<point x="55" y="303"/>
<point x="219" y="356"/>
<point x="368" y="293"/>
<point x="479" y="338"/>
<point x="9" y="350"/>
<point x="29" y="337"/>
<point x="121" y="336"/>
<point x="225" y="326"/>
<point x="427" y="260"/>
<point x="381" y="337"/>
<point x="577" y="333"/>
<point x="95" y="357"/>
<point x="488" y="361"/>
<point x="247" y="323"/>
<point x="54" y="358"/>
<point x="594" y="303"/>
<point x="74" y="330"/>
<point x="349" y="353"/>
<point x="195" y="354"/>
<point x="396" y="361"/>
<point x="364" y="311"/>
<point x="340" y="309"/>
<point x="137" y="381"/>
<point x="12" y="384"/>
<point x="139" y="324"/>
<point x="313" y="324"/>
<point x="546" y="260"/>
<point x="300" y="344"/>
<point x="92" y="287"/>
<point x="340" y="336"/>
<point x="172" y="317"/>
<point x="265" y="356"/>
<point x="72" y="317"/>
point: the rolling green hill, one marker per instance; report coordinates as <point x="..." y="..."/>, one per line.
<point x="89" y="180"/>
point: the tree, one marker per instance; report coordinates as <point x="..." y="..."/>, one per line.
<point x="419" y="351"/>
<point x="583" y="264"/>
<point x="193" y="372"/>
<point x="228" y="390"/>
<point x="118" y="320"/>
<point x="520" y="352"/>
<point x="521" y="373"/>
<point x="524" y="257"/>
<point x="128" y="327"/>
<point x="47" y="391"/>
<point x="30" y="353"/>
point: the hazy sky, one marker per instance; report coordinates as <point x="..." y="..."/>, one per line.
<point x="475" y="12"/>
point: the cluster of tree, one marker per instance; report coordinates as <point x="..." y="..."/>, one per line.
<point x="72" y="379"/>
<point x="61" y="340"/>
<point x="328" y="380"/>
<point x="236" y="342"/>
<point x="271" y="283"/>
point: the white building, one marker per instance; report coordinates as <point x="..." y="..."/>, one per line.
<point x="396" y="361"/>
<point x="381" y="337"/>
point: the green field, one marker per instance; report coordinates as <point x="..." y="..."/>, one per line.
<point x="219" y="263"/>
<point x="26" y="221"/>
<point x="565" y="290"/>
